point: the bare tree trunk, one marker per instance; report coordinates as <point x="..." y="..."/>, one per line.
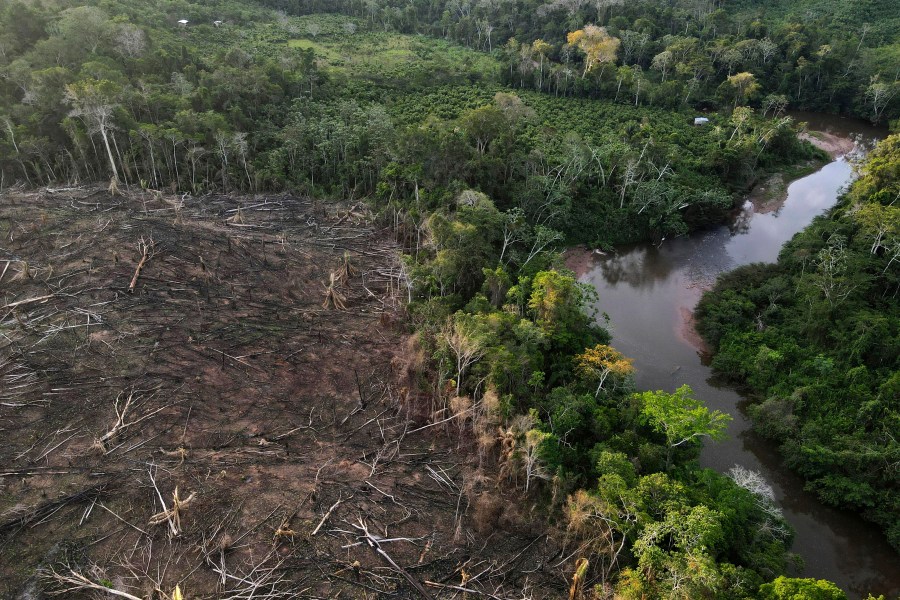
<point x="153" y="178"/>
<point x="112" y="161"/>
<point x="121" y="161"/>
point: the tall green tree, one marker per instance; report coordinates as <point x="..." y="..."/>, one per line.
<point x="681" y="419"/>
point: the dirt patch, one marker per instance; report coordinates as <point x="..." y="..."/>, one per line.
<point x="688" y="331"/>
<point x="221" y="375"/>
<point x="579" y="259"/>
<point x="834" y="145"/>
<point x="769" y="195"/>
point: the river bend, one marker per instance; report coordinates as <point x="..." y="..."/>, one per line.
<point x="650" y="292"/>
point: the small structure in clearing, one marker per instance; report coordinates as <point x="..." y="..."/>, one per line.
<point x="183" y="22"/>
<point x="700" y="120"/>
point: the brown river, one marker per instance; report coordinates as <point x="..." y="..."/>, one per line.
<point x="649" y="293"/>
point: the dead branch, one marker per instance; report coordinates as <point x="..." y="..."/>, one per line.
<point x="145" y="249"/>
<point x="135" y="527"/>
<point x="180" y="453"/>
<point x="262" y="581"/>
<point x="121" y="425"/>
<point x="237" y="359"/>
<point x="355" y="431"/>
<point x="442" y="478"/>
<point x="462" y="589"/>
<point x="375" y="543"/>
<point x="296" y="429"/>
<point x="76" y="581"/>
<point x="458" y="415"/>
<point x="334" y="298"/>
<point x="172" y="516"/>
<point x="325" y="517"/>
<point x="28" y="301"/>
<point x="345" y="217"/>
<point x="46" y="509"/>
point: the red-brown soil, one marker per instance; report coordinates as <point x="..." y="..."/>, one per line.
<point x="246" y="394"/>
<point x="834" y="145"/>
<point x="579" y="260"/>
<point x="688" y="331"/>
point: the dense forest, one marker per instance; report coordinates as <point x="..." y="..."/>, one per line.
<point x="816" y="337"/>
<point x="264" y="102"/>
<point x="820" y="55"/>
<point x="487" y="134"/>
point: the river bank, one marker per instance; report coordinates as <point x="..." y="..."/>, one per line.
<point x="650" y="293"/>
<point x="767" y="196"/>
<point x="770" y="192"/>
<point x="835" y="145"/>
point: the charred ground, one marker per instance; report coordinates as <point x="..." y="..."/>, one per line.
<point x="221" y="374"/>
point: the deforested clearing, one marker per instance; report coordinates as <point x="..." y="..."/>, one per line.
<point x="206" y="421"/>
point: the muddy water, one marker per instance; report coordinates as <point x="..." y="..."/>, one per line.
<point x="649" y="294"/>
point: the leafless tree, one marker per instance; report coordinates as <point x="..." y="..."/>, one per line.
<point x="131" y="41"/>
<point x="95" y="103"/>
<point x="465" y="345"/>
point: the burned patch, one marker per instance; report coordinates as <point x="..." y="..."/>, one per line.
<point x="212" y="393"/>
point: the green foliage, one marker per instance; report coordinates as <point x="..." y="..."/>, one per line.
<point x="329" y="104"/>
<point x="642" y="501"/>
<point x="555" y="302"/>
<point x="816" y="337"/>
<point x="247" y="69"/>
<point x="598" y="171"/>
<point x="787" y="588"/>
<point x="818" y="54"/>
<point x="483" y="155"/>
<point x="681" y="419"/>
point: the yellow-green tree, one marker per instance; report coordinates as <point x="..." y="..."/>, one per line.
<point x="597" y="364"/>
<point x="555" y="301"/>
<point x="542" y="49"/>
<point x="879" y="176"/>
<point x="788" y="588"/>
<point x="743" y="87"/>
<point x="599" y="48"/>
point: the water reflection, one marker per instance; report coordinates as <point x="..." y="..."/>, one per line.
<point x="629" y="268"/>
<point x="650" y="292"/>
<point x="742" y="220"/>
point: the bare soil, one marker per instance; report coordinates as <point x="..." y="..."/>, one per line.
<point x="687" y="331"/>
<point x="834" y="145"/>
<point x="770" y="194"/>
<point x="579" y="259"/>
<point x="272" y="416"/>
